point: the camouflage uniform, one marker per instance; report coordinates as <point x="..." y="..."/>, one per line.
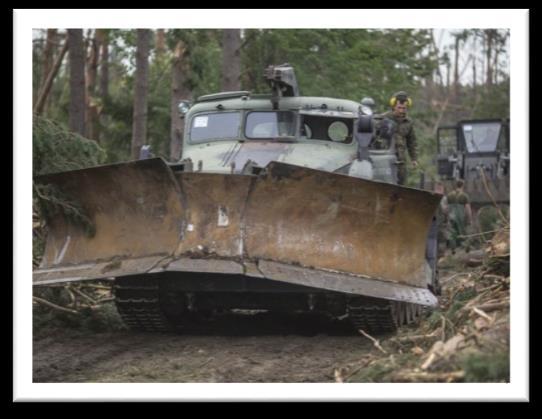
<point x="457" y="199"/>
<point x="442" y="222"/>
<point x="404" y="138"/>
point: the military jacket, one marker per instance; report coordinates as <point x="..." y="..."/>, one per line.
<point x="458" y="197"/>
<point x="402" y="132"/>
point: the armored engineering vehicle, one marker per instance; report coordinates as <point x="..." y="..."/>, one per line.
<point x="279" y="202"/>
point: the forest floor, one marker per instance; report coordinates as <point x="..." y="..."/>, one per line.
<point x="466" y="339"/>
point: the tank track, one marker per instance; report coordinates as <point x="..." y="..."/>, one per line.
<point x="138" y="303"/>
<point x="377" y="316"/>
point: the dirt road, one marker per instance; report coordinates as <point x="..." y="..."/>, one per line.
<point x="240" y="348"/>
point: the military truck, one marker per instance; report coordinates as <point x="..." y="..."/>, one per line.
<point x="279" y="202"/>
<point x="477" y="151"/>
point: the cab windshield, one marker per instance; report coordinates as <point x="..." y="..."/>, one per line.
<point x="481" y="137"/>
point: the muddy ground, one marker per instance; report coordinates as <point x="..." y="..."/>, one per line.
<point x="263" y="347"/>
<point x="238" y="348"/>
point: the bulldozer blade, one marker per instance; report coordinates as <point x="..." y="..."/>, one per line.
<point x="290" y="224"/>
<point x="335" y="222"/>
<point x="135" y="209"/>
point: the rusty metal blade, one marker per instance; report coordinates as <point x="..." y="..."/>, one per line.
<point x="214" y="211"/>
<point x="328" y="221"/>
<point x="149" y="219"/>
<point x="135" y="207"/>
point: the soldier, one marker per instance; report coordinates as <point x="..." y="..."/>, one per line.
<point x="396" y="125"/>
<point x="459" y="214"/>
<point x="442" y="219"/>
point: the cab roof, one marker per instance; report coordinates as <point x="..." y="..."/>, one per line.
<point x="244" y="100"/>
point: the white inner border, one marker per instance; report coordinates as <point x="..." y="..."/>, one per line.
<point x="26" y="20"/>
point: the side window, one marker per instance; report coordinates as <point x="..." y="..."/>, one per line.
<point x="326" y="128"/>
<point x="447" y="141"/>
<point x="270" y="124"/>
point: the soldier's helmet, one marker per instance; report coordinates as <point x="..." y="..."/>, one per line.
<point x="368" y="101"/>
<point x="401" y="97"/>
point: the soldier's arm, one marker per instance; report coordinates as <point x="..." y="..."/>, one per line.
<point x="412" y="144"/>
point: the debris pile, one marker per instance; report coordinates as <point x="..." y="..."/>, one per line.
<point x="465" y="340"/>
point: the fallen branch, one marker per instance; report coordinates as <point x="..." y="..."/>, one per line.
<point x="478" y="234"/>
<point x="100" y="302"/>
<point x="414" y="338"/>
<point x="443" y="328"/>
<point x="375" y="342"/>
<point x="445" y="280"/>
<point x="72" y="296"/>
<point x="494" y="306"/>
<point x="100" y="287"/>
<point x="482" y="314"/>
<point x="491" y="287"/>
<point x="429" y="361"/>
<point x="342" y="374"/>
<point x="49" y="304"/>
<point x="85" y="296"/>
<point x="430" y="376"/>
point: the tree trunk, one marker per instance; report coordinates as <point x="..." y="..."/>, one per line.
<point x="448" y="65"/>
<point x="92" y="124"/>
<point x="456" y="70"/>
<point x="48" y="55"/>
<point x="436" y="52"/>
<point x="103" y="36"/>
<point x="49" y="49"/>
<point x="474" y="64"/>
<point x="231" y="63"/>
<point x="42" y="99"/>
<point x="139" y="126"/>
<point x="179" y="74"/>
<point x="77" y="81"/>
<point x="160" y="42"/>
<point x="496" y="66"/>
<point x="489" y="72"/>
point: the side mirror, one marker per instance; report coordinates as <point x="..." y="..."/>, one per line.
<point x="145" y="152"/>
<point x="184" y="106"/>
<point x="367" y="105"/>
<point x="363" y="135"/>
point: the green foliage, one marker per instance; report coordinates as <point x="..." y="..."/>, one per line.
<point x="345" y="63"/>
<point x="100" y="319"/>
<point x="493" y="367"/>
<point x="55" y="149"/>
<point x="51" y="201"/>
<point x="462" y="297"/>
<point x="378" y="372"/>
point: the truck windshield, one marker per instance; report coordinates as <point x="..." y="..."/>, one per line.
<point x="270" y="124"/>
<point x="481" y="137"/>
<point x="215" y="126"/>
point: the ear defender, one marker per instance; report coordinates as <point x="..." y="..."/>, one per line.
<point x="393" y="100"/>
